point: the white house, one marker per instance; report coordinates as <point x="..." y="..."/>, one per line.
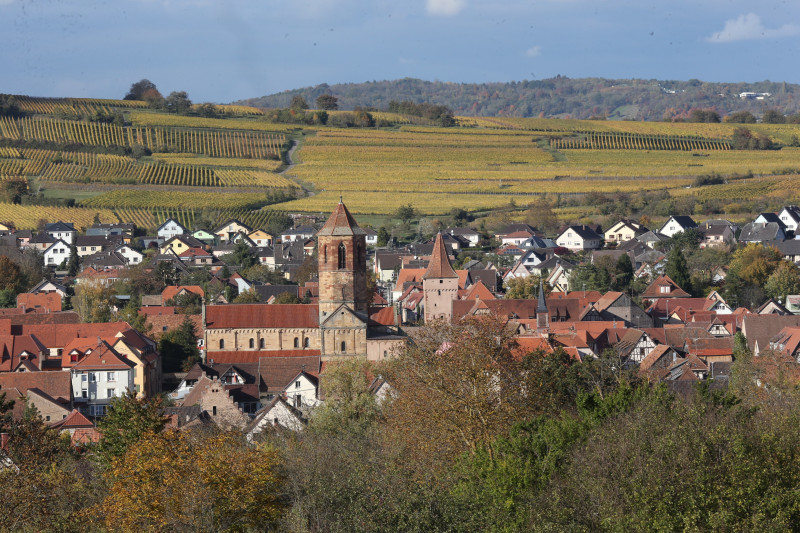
<point x="171" y="228"/>
<point x="372" y="237"/>
<point x="61" y="230"/>
<point x="301" y="391"/>
<point x="100" y="376"/>
<point x="131" y="255"/>
<point x="299" y="233"/>
<point x="790" y="216"/>
<point x="276" y="414"/>
<point x="57" y="253"/>
<point x="579" y="238"/>
<point x="677" y="224"/>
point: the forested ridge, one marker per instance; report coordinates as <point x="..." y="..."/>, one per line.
<point x="556" y="97"/>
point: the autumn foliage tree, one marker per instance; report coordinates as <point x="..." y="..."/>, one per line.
<point x="189" y="481"/>
<point x="455" y="386"/>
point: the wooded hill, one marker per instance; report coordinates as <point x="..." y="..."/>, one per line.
<point x="557" y="97"/>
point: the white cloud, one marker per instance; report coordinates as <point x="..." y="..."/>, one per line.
<point x="534" y="51"/>
<point x="445" y="7"/>
<point x="749" y="27"/>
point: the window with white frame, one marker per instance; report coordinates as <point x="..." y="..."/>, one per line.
<point x="111" y="376"/>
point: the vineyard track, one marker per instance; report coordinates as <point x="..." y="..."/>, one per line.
<point x="290" y="165"/>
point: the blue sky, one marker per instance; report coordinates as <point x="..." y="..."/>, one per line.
<point x="222" y="51"/>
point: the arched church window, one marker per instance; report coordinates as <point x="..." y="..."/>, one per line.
<point x="296" y="342"/>
<point x="344" y="346"/>
<point x="325" y="253"/>
<point x="261" y="344"/>
<point x="252" y="343"/>
<point x="222" y="344"/>
<point x="306" y="343"/>
<point x="342" y="256"/>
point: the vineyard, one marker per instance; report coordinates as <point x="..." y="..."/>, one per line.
<point x="73" y="106"/>
<point x="160" y="165"/>
<point x="634" y="141"/>
<point x="29" y="216"/>
<point x="151" y="219"/>
<point x="146" y="199"/>
<point x="83" y="167"/>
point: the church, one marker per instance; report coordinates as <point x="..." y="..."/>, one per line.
<point x="341" y="325"/>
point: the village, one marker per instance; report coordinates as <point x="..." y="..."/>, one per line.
<point x="262" y="363"/>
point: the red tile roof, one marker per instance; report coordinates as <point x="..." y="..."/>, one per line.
<point x="74" y="420"/>
<point x="57" y="384"/>
<point x="59" y="335"/>
<point x="341" y="222"/>
<point x="303" y="316"/>
<point x="103" y="357"/>
<point x="254" y="356"/>
<point x="173" y="290"/>
<point x="383" y="316"/>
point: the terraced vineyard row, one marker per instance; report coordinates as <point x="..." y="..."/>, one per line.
<point x="28" y="216"/>
<point x="151" y="219"/>
<point x="148" y="199"/>
<point x="80" y="106"/>
<point x="82" y="167"/>
<point x="631" y="141"/>
<point x="236" y="144"/>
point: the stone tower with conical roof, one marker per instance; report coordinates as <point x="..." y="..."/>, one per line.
<point x="439" y="284"/>
<point x="342" y="265"/>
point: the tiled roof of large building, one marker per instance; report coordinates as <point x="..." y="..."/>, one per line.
<point x="262" y="316"/>
<point x="58" y="385"/>
<point x="341" y="222"/>
<point x="439" y="265"/>
<point x="253" y="356"/>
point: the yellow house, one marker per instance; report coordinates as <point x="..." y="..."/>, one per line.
<point x="624" y="230"/>
<point x="176" y="245"/>
<point x="147" y="369"/>
<point x="261" y="238"/>
<point x="230" y="228"/>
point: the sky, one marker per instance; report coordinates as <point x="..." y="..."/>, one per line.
<point x="222" y="51"/>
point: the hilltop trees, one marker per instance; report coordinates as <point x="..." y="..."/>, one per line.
<point x="178" y="102"/>
<point x="327" y="102"/>
<point x="144" y="90"/>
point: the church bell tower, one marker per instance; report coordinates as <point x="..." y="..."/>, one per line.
<point x="342" y="256"/>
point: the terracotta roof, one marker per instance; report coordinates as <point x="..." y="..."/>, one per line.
<point x="262" y="316"/>
<point x="654" y="290"/>
<point x="277" y="372"/>
<point x="341" y="222"/>
<point x="105" y="358"/>
<point x="59" y="335"/>
<point x="74" y="420"/>
<point x="439" y="265"/>
<point x="254" y="356"/>
<point x="57" y="385"/>
<point x="479" y="291"/>
<point x="408" y="275"/>
<point x="171" y="291"/>
<point x="762" y="328"/>
<point x="653" y="357"/>
<point x="383" y="316"/>
<point x="12" y="346"/>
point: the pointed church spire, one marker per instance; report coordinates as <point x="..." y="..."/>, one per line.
<point x="439" y="266"/>
<point x="541" y="306"/>
<point x="341" y="222"/>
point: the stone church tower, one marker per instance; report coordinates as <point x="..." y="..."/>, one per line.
<point x="343" y="305"/>
<point x="439" y="284"/>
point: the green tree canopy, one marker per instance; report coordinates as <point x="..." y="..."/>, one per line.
<point x="327" y="102"/>
<point x="127" y="421"/>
